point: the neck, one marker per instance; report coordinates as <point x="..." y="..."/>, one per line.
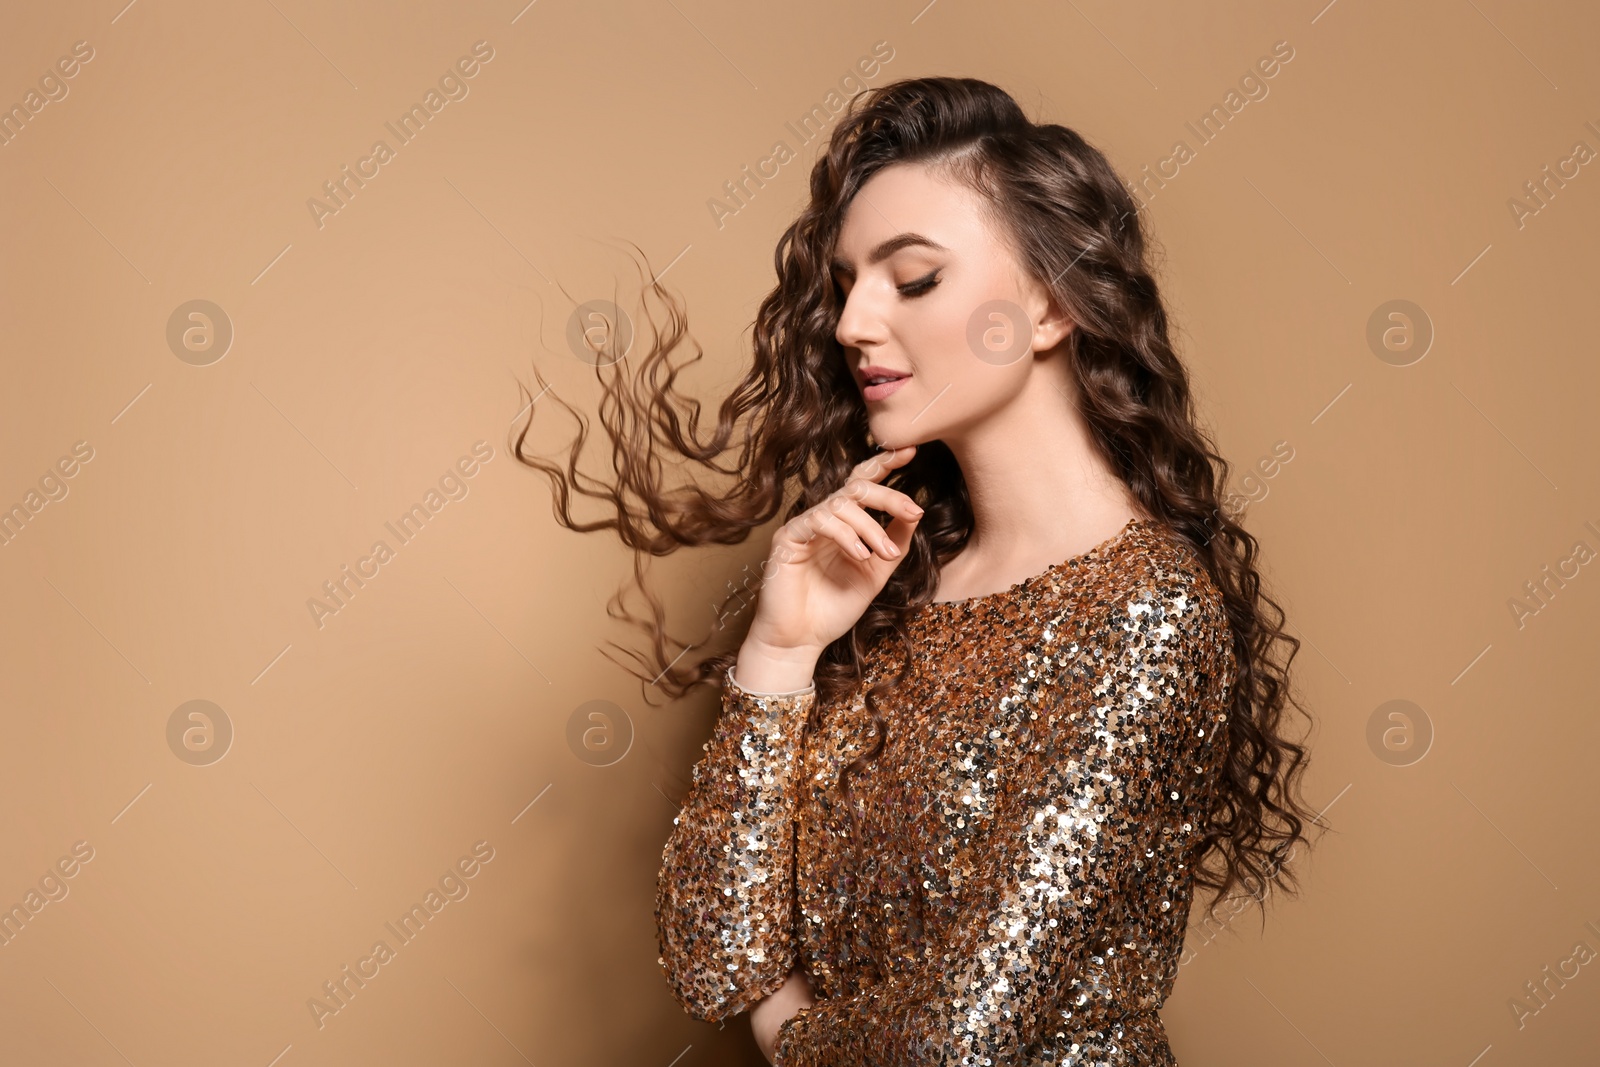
<point x="1039" y="488"/>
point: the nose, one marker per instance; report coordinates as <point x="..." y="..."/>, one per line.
<point x="860" y="324"/>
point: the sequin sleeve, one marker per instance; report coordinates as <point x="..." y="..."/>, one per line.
<point x="1117" y="715"/>
<point x="724" y="897"/>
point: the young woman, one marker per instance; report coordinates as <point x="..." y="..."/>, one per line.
<point x="1010" y="689"/>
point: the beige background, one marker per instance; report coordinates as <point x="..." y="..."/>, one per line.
<point x="431" y="712"/>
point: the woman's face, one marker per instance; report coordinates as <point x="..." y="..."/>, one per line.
<point x="931" y="294"/>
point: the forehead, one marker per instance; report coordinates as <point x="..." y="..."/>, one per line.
<point x="910" y="198"/>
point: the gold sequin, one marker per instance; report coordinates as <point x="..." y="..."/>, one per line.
<point x="1016" y="882"/>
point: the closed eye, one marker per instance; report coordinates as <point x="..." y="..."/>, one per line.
<point x="921" y="285"/>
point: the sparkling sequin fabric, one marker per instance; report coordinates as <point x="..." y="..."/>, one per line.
<point x="1019" y="879"/>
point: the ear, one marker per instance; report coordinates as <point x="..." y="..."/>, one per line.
<point x="1052" y="327"/>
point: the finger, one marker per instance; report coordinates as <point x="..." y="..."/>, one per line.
<point x="866" y="527"/>
<point x="882" y="497"/>
<point x="900" y="531"/>
<point x="836" y="529"/>
<point x="876" y="466"/>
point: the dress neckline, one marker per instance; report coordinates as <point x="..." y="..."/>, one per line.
<point x="1129" y="528"/>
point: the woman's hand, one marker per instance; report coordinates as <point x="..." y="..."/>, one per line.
<point x="772" y="1012"/>
<point x="829" y="562"/>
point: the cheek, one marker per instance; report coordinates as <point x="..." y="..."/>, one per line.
<point x="982" y="353"/>
<point x="985" y="388"/>
<point x="946" y="343"/>
<point x="964" y="368"/>
<point x="963" y="390"/>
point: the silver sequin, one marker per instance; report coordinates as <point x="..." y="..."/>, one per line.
<point x="1019" y="881"/>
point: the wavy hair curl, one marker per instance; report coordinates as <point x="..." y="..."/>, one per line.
<point x="796" y="425"/>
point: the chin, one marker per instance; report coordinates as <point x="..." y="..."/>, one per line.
<point x="886" y="433"/>
<point x="889" y="439"/>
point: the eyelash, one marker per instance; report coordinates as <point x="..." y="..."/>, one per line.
<point x="912" y="289"/>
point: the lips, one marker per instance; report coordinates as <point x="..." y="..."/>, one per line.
<point x="878" y="382"/>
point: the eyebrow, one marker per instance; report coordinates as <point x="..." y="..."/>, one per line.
<point x="889" y="248"/>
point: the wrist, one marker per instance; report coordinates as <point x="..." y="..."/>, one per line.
<point x="784" y="1030"/>
<point x="775" y="669"/>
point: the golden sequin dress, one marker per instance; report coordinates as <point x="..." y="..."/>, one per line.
<point x="1017" y="888"/>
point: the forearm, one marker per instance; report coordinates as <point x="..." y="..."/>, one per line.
<point x="725" y="891"/>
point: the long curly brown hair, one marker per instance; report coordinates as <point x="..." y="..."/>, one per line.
<point x="796" y="425"/>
